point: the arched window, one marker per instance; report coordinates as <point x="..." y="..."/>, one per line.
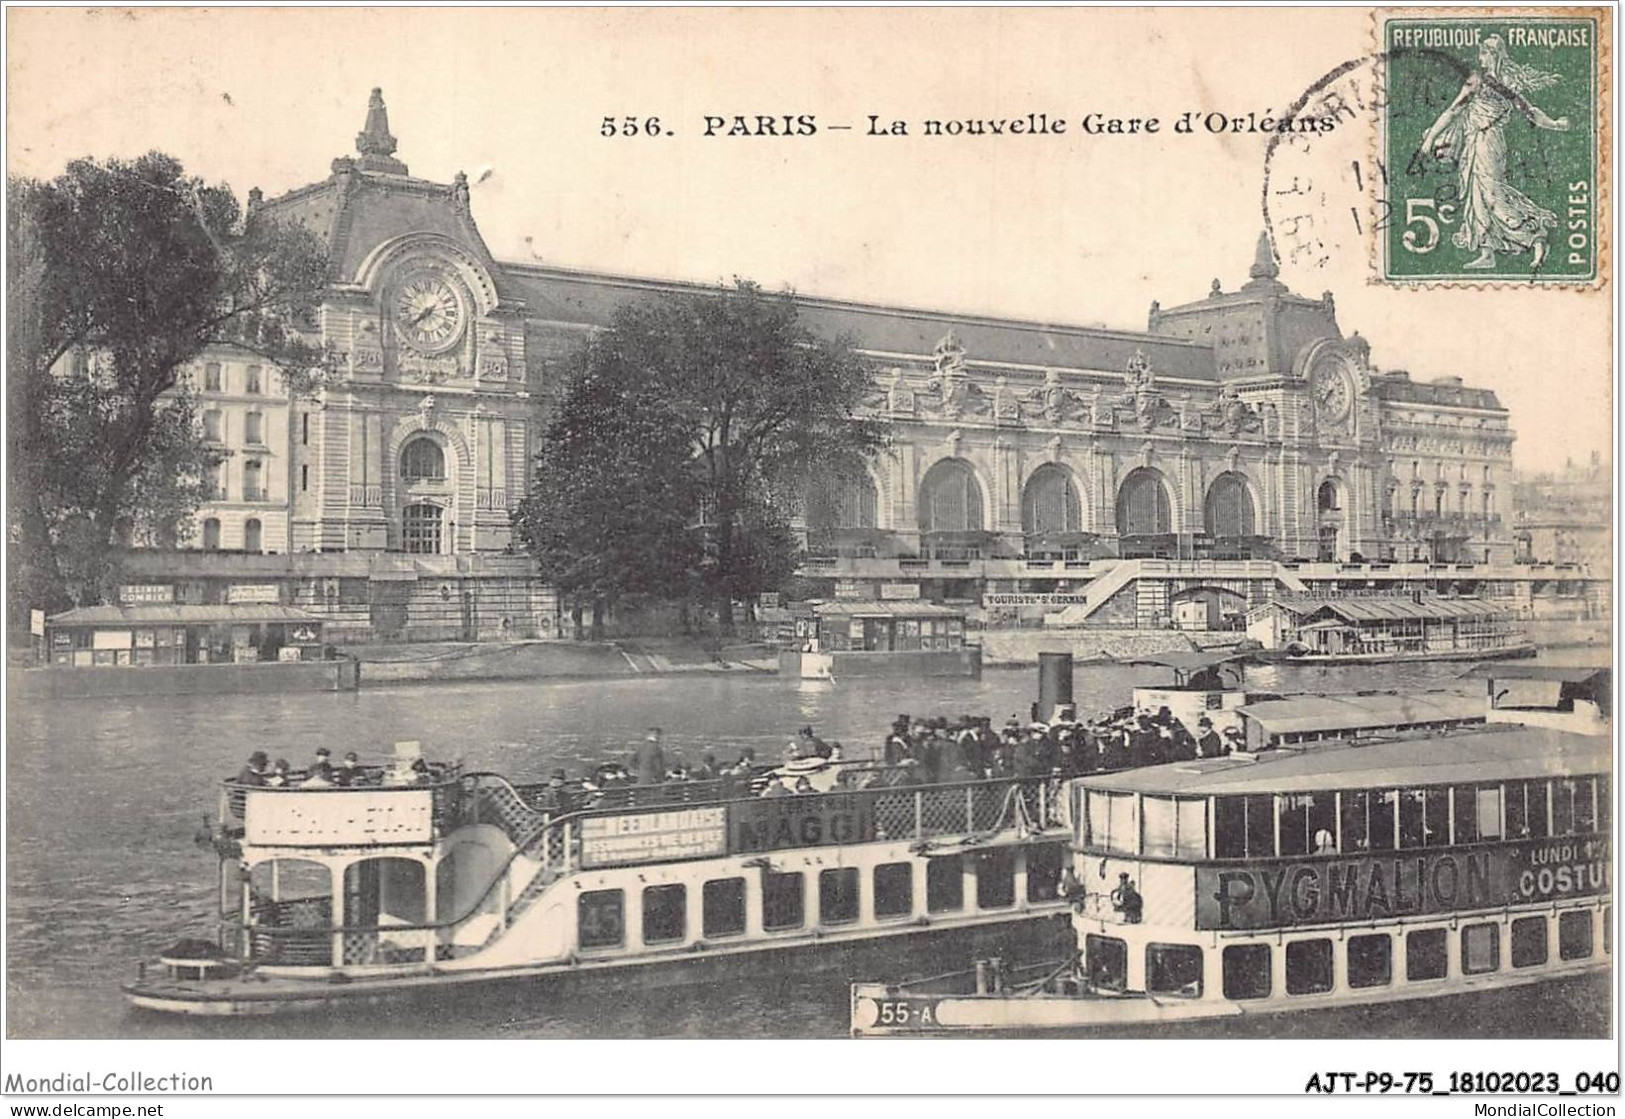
<point x="1049" y="503"/>
<point x="253" y="487"/>
<point x="423" y="461"/>
<point x="211" y="535"/>
<point x="950" y="500"/>
<point x="1228" y="511"/>
<point x="842" y="499"/>
<point x="1326" y="499"/>
<point x="251" y="535"/>
<point x="420" y="529"/>
<point x="1142" y="505"/>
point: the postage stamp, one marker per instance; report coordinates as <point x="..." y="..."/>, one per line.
<point x="1493" y="144"/>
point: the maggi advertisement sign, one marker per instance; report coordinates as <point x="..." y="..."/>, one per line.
<point x="1282" y="893"/>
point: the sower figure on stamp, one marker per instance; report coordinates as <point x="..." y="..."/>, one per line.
<point x="1495" y="215"/>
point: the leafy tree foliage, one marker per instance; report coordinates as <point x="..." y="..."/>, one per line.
<point x="119" y="273"/>
<point x="735" y="404"/>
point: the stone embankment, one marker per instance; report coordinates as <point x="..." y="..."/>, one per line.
<point x="1021" y="647"/>
<point x="544" y="660"/>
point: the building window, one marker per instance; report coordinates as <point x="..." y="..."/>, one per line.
<point x="723" y="902"/>
<point x="1326" y="497"/>
<point x="601" y="919"/>
<point x="251" y="535"/>
<point x="1049" y="503"/>
<point x="665" y="910"/>
<point x="423" y="461"/>
<point x="838" y="896"/>
<point x="420" y="529"/>
<point x="253" y="487"/>
<point x="894" y="890"/>
<point x="1247" y="971"/>
<point x="1574" y="935"/>
<point x="996" y="879"/>
<point x="1308" y="967"/>
<point x="844" y="499"/>
<point x="251" y="383"/>
<point x="211" y="535"/>
<point x="211" y="377"/>
<point x="1228" y="511"/>
<point x="1480" y="948"/>
<point x="1143" y="508"/>
<point x="304" y="429"/>
<point x="950" y="500"/>
<point x="1371" y="961"/>
<point x="1173" y="969"/>
<point x="1107" y="960"/>
<point x="944" y="884"/>
<point x="1529" y="942"/>
<point x="304" y="477"/>
<point x="1426" y="955"/>
<point x="783" y="904"/>
<point x="217" y="481"/>
<point x="213" y="426"/>
<point x="254" y="429"/>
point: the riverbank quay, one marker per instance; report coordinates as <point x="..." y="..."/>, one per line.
<point x="1020" y="647"/>
<point x="266" y="678"/>
<point x="545" y="660"/>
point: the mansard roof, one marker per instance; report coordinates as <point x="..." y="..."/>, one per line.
<point x="1446" y="392"/>
<point x="561" y="295"/>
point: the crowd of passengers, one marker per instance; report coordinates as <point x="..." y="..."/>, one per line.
<point x="260" y="772"/>
<point x="917" y="751"/>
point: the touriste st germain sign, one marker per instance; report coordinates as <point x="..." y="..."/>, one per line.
<point x="1287" y="892"/>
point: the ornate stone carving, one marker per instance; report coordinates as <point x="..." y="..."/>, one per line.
<point x="426" y="370"/>
<point x="1142" y="398"/>
<point x="899" y="396"/>
<point x="1233" y="415"/>
<point x="1006" y="408"/>
<point x="949" y="356"/>
<point x="1051" y="400"/>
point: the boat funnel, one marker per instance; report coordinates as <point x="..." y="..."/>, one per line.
<point x="1054" y="685"/>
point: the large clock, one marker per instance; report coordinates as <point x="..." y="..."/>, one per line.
<point x="429" y="313"/>
<point x="1333" y="393"/>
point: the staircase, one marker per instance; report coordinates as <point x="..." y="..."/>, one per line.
<point x="1096" y="594"/>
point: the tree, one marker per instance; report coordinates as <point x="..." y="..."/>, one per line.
<point x="741" y="404"/>
<point x="610" y="512"/>
<point x="119" y="273"/>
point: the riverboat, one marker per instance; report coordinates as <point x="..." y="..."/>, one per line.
<point x="1385" y="628"/>
<point x="1320" y="876"/>
<point x="401" y="882"/>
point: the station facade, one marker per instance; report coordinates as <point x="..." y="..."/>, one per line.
<point x="1243" y="426"/>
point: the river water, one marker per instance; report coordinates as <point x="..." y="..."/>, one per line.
<point x="104" y="797"/>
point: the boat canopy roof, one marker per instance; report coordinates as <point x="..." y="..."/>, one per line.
<point x="903" y="608"/>
<point x="1500" y="753"/>
<point x="1192" y="660"/>
<point x="182" y="614"/>
<point x="1535" y="670"/>
<point x="1389" y="608"/>
<point x="1360" y="712"/>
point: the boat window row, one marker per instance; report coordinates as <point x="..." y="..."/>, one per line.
<point x="601" y="914"/>
<point x="1344" y="821"/>
<point x="1248" y="971"/>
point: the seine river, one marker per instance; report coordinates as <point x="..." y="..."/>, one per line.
<point x="104" y="797"/>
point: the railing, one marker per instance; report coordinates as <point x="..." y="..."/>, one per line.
<point x="444" y="783"/>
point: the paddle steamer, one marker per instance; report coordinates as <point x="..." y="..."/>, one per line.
<point x="1327" y="873"/>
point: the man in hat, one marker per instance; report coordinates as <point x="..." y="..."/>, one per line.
<point x="897" y="745"/>
<point x="1233" y="740"/>
<point x="1127" y="900"/>
<point x="254" y="772"/>
<point x="555" y="799"/>
<point x="320" y="776"/>
<point x="651" y="759"/>
<point x="324" y="756"/>
<point x="1208" y="742"/>
<point x="349" y="773"/>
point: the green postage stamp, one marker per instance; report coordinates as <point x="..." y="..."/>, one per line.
<point x="1495" y="145"/>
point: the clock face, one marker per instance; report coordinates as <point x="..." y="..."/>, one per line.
<point x="1332" y="393"/>
<point x="428" y="313"/>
